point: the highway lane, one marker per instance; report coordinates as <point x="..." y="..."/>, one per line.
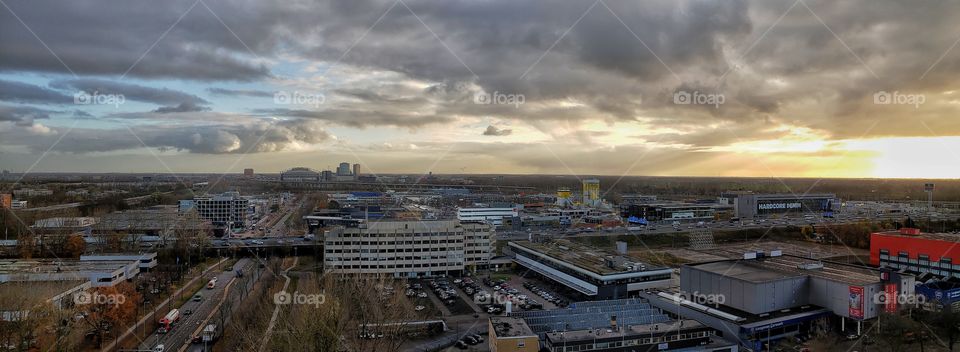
<point x="234" y="295"/>
<point x="183" y="329"/>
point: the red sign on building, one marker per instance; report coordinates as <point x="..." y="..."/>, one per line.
<point x="856" y="302"/>
<point x="890" y="301"/>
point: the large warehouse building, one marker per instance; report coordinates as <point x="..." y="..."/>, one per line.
<point x="768" y="297"/>
<point x="751" y="205"/>
<point x="594" y="273"/>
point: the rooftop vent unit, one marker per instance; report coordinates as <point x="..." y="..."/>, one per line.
<point x="810" y="266"/>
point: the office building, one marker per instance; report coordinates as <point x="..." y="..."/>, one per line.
<point x="344" y="170"/>
<point x="591" y="192"/>
<point x="668" y="211"/>
<point x="407" y="248"/>
<point x="248" y="172"/>
<point x="592" y="272"/>
<point x="494" y="216"/>
<point x="6" y="201"/>
<point x="227" y="210"/>
<point x="356" y="171"/>
<point x="908" y="249"/>
<point x="300" y="174"/>
<point x="761" y="205"/>
<point x="99" y="273"/>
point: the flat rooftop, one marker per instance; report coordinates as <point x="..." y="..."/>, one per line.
<point x="510" y="327"/>
<point x="788" y="266"/>
<point x="583" y="256"/>
<point x="946" y="237"/>
<point x="49" y="266"/>
<point x="744" y="270"/>
<point x="23" y="295"/>
<point x="626" y="331"/>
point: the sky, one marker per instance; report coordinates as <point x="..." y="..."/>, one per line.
<point x="780" y="88"/>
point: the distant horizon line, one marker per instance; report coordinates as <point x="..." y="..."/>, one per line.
<point x="240" y="173"/>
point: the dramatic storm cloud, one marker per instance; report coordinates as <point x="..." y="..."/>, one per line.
<point x="694" y="83"/>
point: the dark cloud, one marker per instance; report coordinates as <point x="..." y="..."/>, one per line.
<point x="23" y="115"/>
<point x="239" y="92"/>
<point x="361" y="118"/>
<point x="20" y="92"/>
<point x="253" y="137"/>
<point x="494" y="131"/>
<point x="162" y="96"/>
<point x="183" y="107"/>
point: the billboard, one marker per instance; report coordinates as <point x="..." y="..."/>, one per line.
<point x="891" y="298"/>
<point x="6" y="201"/>
<point x="856" y="302"/>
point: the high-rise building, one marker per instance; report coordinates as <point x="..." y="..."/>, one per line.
<point x="248" y="172"/>
<point x="591" y="192"/>
<point x="356" y="171"/>
<point x="6" y="201"/>
<point x="343" y="169"/>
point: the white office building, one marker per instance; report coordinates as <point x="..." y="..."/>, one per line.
<point x="493" y="216"/>
<point x="224" y="210"/>
<point x="408" y="248"/>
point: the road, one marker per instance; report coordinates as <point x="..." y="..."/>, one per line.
<point x="183" y="330"/>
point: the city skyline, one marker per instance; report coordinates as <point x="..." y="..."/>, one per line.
<point x="858" y="89"/>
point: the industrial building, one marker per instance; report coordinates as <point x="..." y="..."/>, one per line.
<point x="619" y="326"/>
<point x="908" y="249"/>
<point x="594" y="273"/>
<point x="408" y="248"/>
<point x="765" y="297"/>
<point x="749" y="205"/>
